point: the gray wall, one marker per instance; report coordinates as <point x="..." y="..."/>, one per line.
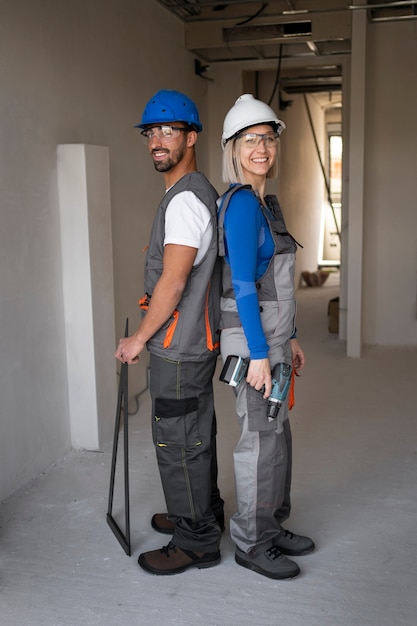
<point x="390" y="203"/>
<point x="81" y="72"/>
<point x="76" y="71"/>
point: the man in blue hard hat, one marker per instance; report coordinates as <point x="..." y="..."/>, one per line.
<point x="180" y="329"/>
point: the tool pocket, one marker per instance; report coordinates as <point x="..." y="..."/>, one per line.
<point x="168" y="329"/>
<point x="172" y="325"/>
<point x="258" y="411"/>
<point x="176" y="422"/>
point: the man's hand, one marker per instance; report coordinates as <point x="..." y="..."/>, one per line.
<point x="129" y="349"/>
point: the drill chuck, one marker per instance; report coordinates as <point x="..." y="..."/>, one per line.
<point x="280" y="385"/>
<point x="273" y="408"/>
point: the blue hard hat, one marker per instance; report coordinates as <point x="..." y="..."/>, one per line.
<point x="170" y="106"/>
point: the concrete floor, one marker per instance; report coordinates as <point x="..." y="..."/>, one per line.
<point x="354" y="491"/>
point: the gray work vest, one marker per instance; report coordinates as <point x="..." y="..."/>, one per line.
<point x="275" y="289"/>
<point x="192" y="332"/>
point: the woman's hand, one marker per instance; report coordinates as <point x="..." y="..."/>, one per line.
<point x="259" y="375"/>
<point x="297" y="354"/>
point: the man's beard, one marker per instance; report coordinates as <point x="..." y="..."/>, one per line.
<point x="167" y="164"/>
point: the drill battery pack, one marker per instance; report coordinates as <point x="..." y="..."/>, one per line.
<point x="234" y="369"/>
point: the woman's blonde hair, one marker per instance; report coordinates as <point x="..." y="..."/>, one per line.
<point x="232" y="171"/>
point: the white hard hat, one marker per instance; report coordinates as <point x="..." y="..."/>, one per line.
<point x="248" y="111"/>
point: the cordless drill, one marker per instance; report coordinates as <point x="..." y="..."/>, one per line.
<point x="236" y="367"/>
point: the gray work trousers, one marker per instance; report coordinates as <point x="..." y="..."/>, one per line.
<point x="262" y="457"/>
<point x="183" y="431"/>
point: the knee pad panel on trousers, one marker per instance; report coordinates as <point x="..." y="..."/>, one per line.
<point x="176" y="422"/>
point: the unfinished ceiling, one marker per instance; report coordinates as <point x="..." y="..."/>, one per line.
<point x="247" y="30"/>
<point x="307" y="33"/>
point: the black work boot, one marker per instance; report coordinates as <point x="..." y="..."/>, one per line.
<point x="173" y="560"/>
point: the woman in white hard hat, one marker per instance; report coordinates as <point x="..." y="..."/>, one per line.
<point x="258" y="324"/>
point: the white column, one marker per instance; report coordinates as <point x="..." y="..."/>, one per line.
<point x="356" y="183"/>
<point x="87" y="281"/>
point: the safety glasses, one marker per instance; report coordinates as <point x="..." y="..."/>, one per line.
<point x="253" y="140"/>
<point x="162" y="133"/>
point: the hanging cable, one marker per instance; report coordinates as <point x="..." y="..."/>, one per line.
<point x="246" y="21"/>
<point x="252" y="17"/>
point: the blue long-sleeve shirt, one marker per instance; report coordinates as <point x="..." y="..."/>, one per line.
<point x="249" y="248"/>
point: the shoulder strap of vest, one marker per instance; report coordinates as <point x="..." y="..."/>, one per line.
<point x="223" y="203"/>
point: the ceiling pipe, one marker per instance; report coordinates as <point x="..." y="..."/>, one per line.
<point x="383" y="5"/>
<point x="182" y="4"/>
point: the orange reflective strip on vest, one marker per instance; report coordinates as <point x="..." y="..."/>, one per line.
<point x="171" y="329"/>
<point x="144" y="302"/>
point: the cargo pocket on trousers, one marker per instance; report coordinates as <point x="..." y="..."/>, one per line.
<point x="176" y="422"/>
<point x="257" y="410"/>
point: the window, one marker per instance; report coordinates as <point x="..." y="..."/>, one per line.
<point x="331" y="213"/>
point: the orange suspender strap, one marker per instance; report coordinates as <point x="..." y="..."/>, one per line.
<point x="291" y="395"/>
<point x="209" y="337"/>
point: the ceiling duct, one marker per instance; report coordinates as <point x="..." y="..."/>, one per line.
<point x="317" y="84"/>
<point x="268" y="32"/>
<point x="389" y="11"/>
<point x="219" y="31"/>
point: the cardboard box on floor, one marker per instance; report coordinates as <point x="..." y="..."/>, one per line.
<point x="333" y="315"/>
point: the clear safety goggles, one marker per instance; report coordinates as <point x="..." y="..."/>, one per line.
<point x="162" y="133"/>
<point x="253" y="140"/>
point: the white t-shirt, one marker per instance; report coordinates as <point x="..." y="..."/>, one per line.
<point x="188" y="223"/>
